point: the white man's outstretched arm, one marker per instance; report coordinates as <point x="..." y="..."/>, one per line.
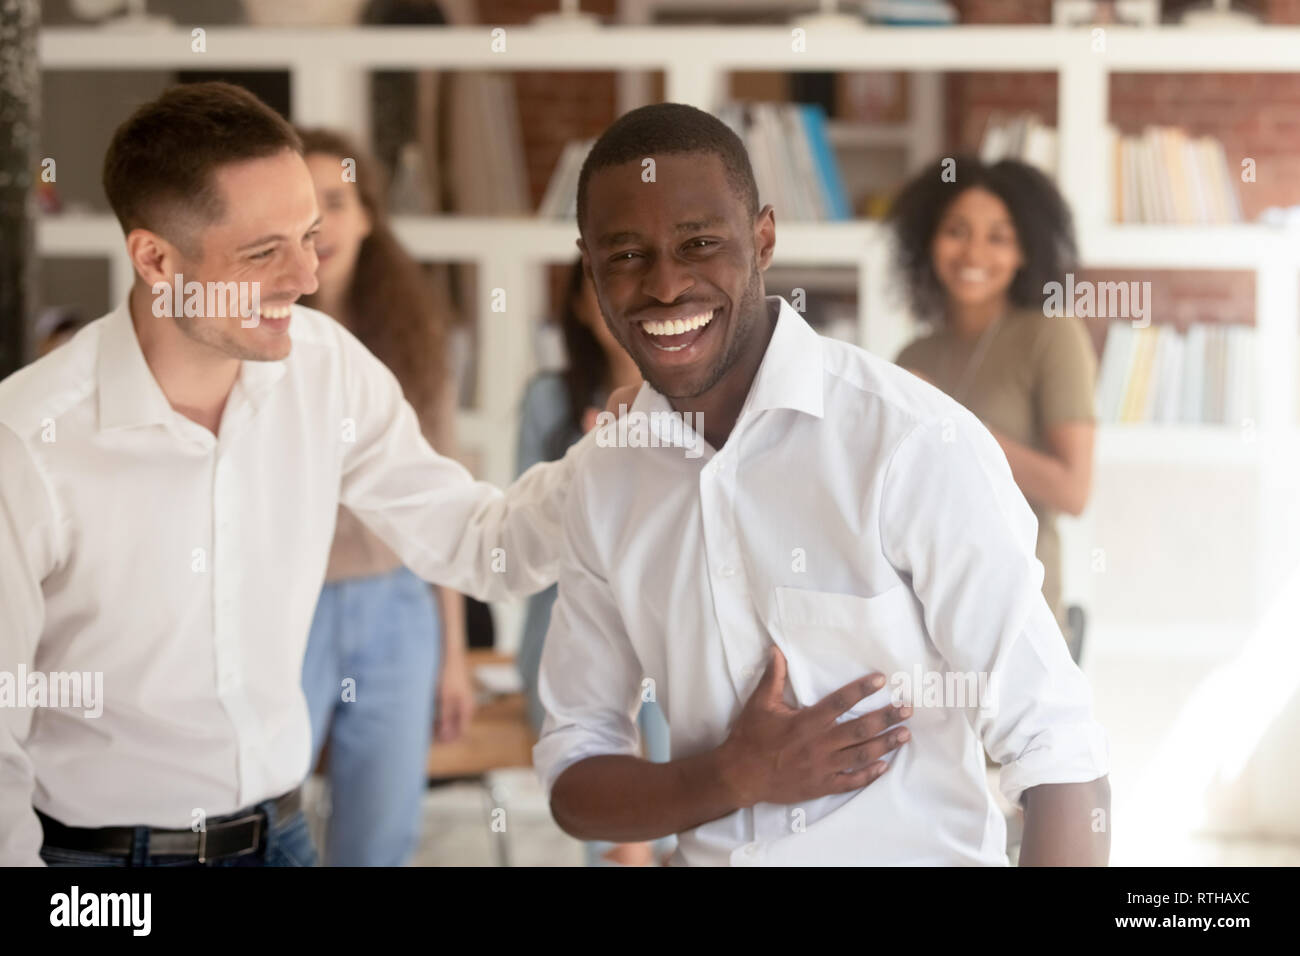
<point x="444" y="525"/>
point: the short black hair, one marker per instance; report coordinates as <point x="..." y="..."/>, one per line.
<point x="670" y="128"/>
<point x="1044" y="227"/>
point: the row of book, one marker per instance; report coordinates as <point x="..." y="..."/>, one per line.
<point x="1161" y="175"/>
<point x="487" y="168"/>
<point x="1159" y="374"/>
<point x="789" y="148"/>
<point x="1022" y="136"/>
<point x="910" y="13"/>
<point x="794" y="164"/>
<point x="560" y="201"/>
<point x="1165" y="176"/>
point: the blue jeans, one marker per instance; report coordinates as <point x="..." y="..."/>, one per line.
<point x="384" y="634"/>
<point x="288" y="843"/>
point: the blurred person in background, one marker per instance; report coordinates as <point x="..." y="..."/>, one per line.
<point x="376" y="622"/>
<point x="975" y="255"/>
<point x="559" y="408"/>
<point x="55" y="326"/>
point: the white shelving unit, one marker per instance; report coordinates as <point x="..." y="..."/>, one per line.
<point x="920" y="136"/>
<point x="327" y="67"/>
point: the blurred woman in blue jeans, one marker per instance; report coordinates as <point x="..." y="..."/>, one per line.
<point x="385" y="659"/>
<point x="559" y="408"/>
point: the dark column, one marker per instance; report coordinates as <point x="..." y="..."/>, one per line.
<point x="19" y="108"/>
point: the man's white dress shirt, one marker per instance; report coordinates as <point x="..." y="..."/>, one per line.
<point x="862" y="521"/>
<point x="185" y="566"/>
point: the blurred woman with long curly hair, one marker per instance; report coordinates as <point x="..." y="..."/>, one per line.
<point x="385" y="659"/>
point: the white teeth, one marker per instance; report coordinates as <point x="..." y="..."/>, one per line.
<point x="677" y="326"/>
<point x="281" y="312"/>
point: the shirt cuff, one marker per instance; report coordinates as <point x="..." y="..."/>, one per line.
<point x="559" y="750"/>
<point x="1069" y="753"/>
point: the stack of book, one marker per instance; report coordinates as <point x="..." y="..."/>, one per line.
<point x="1161" y="375"/>
<point x="1162" y="175"/>
<point x="561" y="198"/>
<point x="907" y="13"/>
<point x="1165" y="176"/>
<point x="794" y="164"/>
<point x="1024" y="137"/>
<point x="789" y="148"/>
<point x="487" y="167"/>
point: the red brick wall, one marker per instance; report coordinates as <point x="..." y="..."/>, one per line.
<point x="1003" y="11"/>
<point x="1282" y="11"/>
<point x="970" y="98"/>
<point x="555" y="108"/>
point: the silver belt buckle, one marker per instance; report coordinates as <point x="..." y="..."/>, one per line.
<point x="257" y="836"/>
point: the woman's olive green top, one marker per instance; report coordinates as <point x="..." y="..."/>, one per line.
<point x="1036" y="372"/>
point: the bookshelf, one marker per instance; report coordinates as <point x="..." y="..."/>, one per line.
<point x="327" y="66"/>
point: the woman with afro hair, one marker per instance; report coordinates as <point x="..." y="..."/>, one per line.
<point x="976" y="250"/>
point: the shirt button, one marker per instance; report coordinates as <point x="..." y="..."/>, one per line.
<point x="726" y="570"/>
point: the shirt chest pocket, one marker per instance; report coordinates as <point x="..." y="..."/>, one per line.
<point x="829" y="639"/>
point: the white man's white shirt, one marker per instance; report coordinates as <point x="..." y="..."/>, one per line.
<point x="861" y="520"/>
<point x="185" y="567"/>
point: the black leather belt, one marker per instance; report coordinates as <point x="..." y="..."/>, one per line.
<point x="238" y="834"/>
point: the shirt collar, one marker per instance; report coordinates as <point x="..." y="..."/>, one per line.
<point x="790" y="375"/>
<point x="130" y="396"/>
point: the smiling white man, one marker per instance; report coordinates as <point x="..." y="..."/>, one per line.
<point x="169" y="483"/>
